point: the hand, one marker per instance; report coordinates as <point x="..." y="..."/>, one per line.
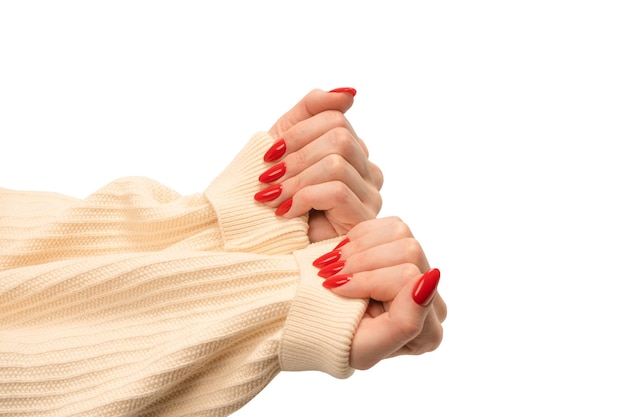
<point x="319" y="165"/>
<point x="380" y="260"/>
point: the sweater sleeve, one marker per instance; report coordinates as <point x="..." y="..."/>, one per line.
<point x="140" y="301"/>
<point x="138" y="214"/>
<point x="245" y="225"/>
<point x="165" y="333"/>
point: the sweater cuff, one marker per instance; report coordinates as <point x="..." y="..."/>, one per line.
<point x="246" y="225"/>
<point x="320" y="325"/>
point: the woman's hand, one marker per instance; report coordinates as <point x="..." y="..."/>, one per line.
<point x="380" y="260"/>
<point x="319" y="165"/>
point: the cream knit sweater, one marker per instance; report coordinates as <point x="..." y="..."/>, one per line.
<point x="139" y="301"/>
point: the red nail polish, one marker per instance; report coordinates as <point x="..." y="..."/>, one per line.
<point x="327" y="259"/>
<point x="269" y="193"/>
<point x="337" y="281"/>
<point x="276" y="151"/>
<point x="273" y="173"/>
<point x="349" y="90"/>
<point x="343" y="242"/>
<point x="424" y="290"/>
<point x="284" y="207"/>
<point x="330" y="270"/>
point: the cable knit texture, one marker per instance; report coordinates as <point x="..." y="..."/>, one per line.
<point x="139" y="301"/>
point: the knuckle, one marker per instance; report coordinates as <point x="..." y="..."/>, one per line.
<point x="377" y="176"/>
<point x="435" y="338"/>
<point x="339" y="192"/>
<point x="399" y="229"/>
<point x="343" y="142"/>
<point x="335" y="118"/>
<point x="376" y="202"/>
<point x="335" y="164"/>
<point x="408" y="271"/>
<point x="413" y="250"/>
<point x="442" y="311"/>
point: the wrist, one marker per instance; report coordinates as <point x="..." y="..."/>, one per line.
<point x="247" y="225"/>
<point x="320" y="325"/>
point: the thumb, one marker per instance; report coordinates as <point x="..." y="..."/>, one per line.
<point x="315" y="102"/>
<point x="381" y="336"/>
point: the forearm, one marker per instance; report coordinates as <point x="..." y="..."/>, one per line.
<point x="127" y="215"/>
<point x="137" y="214"/>
<point x="163" y="333"/>
<point x="140" y="300"/>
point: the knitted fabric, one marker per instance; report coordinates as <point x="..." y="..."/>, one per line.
<point x="139" y="301"/>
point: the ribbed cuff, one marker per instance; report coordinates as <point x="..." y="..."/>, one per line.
<point x="246" y="225"/>
<point x="320" y="325"/>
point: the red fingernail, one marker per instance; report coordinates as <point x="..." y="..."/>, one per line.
<point x="327" y="259"/>
<point x="269" y="193"/>
<point x="424" y="290"/>
<point x="284" y="207"/>
<point x="344" y="90"/>
<point x="337" y="281"/>
<point x="330" y="270"/>
<point x="276" y="151"/>
<point x="273" y="173"/>
<point x="343" y="242"/>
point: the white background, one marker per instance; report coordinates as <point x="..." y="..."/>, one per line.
<point x="499" y="127"/>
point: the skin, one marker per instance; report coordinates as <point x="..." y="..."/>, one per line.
<point x="386" y="262"/>
<point x="328" y="172"/>
<point x="329" y="175"/>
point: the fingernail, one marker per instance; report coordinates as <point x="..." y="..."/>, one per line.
<point x="424" y="290"/>
<point x="269" y="193"/>
<point x="330" y="270"/>
<point x="337" y="281"/>
<point x="350" y="90"/>
<point x="327" y="259"/>
<point x="284" y="207"/>
<point x="276" y="151"/>
<point x="273" y="173"/>
<point x="343" y="242"/>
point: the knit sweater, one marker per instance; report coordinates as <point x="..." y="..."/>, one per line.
<point x="139" y="301"/>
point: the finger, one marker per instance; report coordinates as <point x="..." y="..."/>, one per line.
<point x="382" y="284"/>
<point x="377" y="231"/>
<point x="377" y="176"/>
<point x="309" y="130"/>
<point x="405" y="250"/>
<point x="338" y="141"/>
<point x="440" y="308"/>
<point x="332" y="168"/>
<point x="341" y="205"/>
<point x="427" y="340"/>
<point x="380" y="337"/>
<point x="370" y="234"/>
<point x="313" y="103"/>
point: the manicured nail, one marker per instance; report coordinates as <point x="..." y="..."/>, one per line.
<point x="424" y="290"/>
<point x="327" y="259"/>
<point x="349" y="90"/>
<point x="332" y="269"/>
<point x="269" y="193"/>
<point x="343" y="242"/>
<point x="273" y="173"/>
<point x="337" y="281"/>
<point x="284" y="207"/>
<point x="276" y="151"/>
